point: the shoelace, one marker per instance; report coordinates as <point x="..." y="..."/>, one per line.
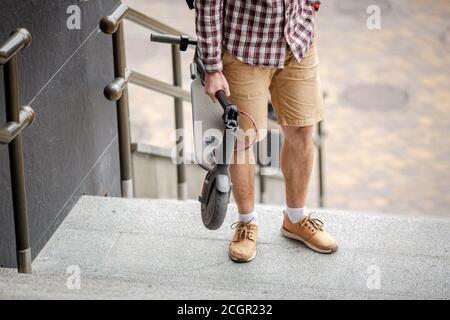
<point x="244" y="230"/>
<point x="315" y="223"/>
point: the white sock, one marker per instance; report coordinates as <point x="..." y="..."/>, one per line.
<point x="247" y="217"/>
<point x="296" y="214"/>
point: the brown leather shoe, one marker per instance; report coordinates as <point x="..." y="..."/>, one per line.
<point x="311" y="232"/>
<point x="242" y="247"/>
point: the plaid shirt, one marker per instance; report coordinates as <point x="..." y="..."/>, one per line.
<point x="255" y="31"/>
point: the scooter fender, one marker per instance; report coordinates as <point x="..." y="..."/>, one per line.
<point x="223" y="183"/>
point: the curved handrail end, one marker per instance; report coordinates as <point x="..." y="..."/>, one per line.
<point x="110" y="23"/>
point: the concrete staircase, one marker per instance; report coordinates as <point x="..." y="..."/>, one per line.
<point x="146" y="249"/>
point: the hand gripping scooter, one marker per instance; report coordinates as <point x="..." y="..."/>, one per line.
<point x="216" y="126"/>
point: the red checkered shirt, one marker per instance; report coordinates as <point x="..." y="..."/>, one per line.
<point x="254" y="31"/>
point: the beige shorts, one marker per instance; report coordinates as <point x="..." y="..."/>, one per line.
<point x="296" y="90"/>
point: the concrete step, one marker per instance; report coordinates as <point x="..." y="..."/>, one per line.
<point x="160" y="249"/>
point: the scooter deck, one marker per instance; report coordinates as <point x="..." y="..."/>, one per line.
<point x="207" y="121"/>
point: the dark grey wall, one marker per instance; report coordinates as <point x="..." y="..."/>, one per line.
<point x="72" y="147"/>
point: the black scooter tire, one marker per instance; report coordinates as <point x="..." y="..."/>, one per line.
<point x="214" y="212"/>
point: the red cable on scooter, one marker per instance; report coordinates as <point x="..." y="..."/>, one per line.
<point x="252" y="120"/>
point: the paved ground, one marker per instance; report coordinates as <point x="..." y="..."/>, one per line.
<point x="388" y="117"/>
<point x="159" y="249"/>
<point x="389" y="106"/>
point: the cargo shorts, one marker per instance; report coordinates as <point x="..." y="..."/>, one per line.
<point x="295" y="90"/>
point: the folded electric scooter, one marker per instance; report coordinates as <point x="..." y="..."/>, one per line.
<point x="216" y="127"/>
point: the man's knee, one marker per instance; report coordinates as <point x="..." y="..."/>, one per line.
<point x="298" y="135"/>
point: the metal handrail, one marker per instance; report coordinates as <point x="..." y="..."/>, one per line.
<point x="18" y="118"/>
<point x="159" y="86"/>
<point x="12" y="129"/>
<point x="117" y="89"/>
<point x="174" y="90"/>
<point x="18" y="40"/>
<point x="150" y="23"/>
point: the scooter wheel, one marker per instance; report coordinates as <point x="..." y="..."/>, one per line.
<point x="214" y="212"/>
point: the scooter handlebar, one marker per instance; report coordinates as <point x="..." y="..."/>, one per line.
<point x="184" y="41"/>
<point x="166" y="38"/>
<point x="223" y="99"/>
<point x="163" y="38"/>
<point x="231" y="113"/>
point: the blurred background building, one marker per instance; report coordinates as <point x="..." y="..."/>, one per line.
<point x="387" y="99"/>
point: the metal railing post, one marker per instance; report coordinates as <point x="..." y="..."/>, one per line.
<point x="123" y="115"/>
<point x="18" y="118"/>
<point x="262" y="156"/>
<point x="118" y="91"/>
<point x="320" y="162"/>
<point x="262" y="185"/>
<point x="179" y="125"/>
<point x="17" y="168"/>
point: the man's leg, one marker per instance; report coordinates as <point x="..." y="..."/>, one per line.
<point x="249" y="90"/>
<point x="297" y="99"/>
<point x="297" y="156"/>
<point x="242" y="247"/>
<point x="242" y="173"/>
